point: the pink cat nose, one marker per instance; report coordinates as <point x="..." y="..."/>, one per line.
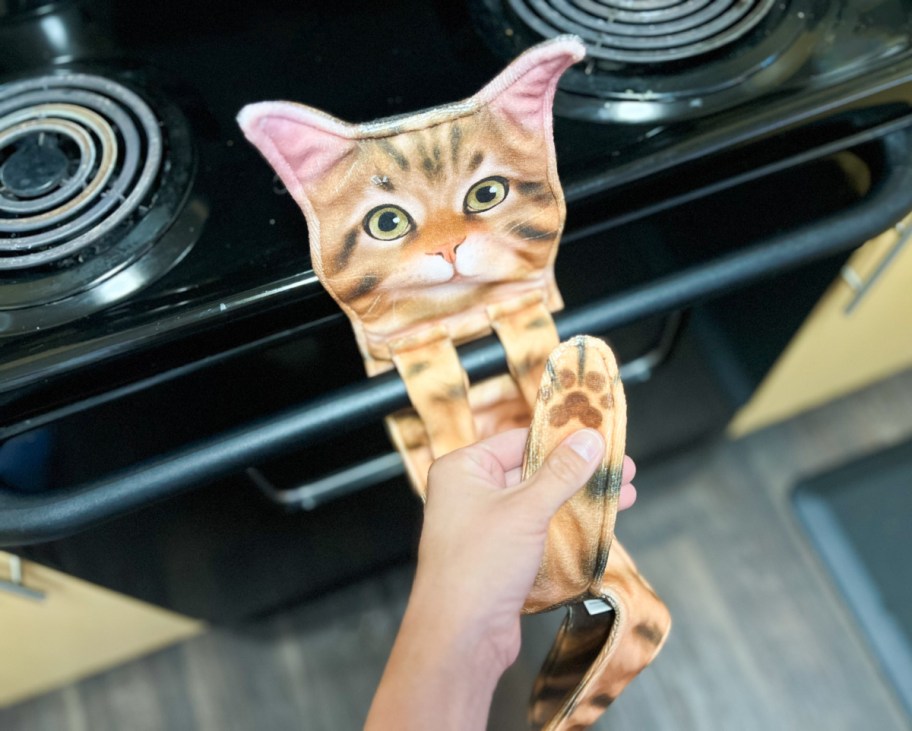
<point x="448" y="252"/>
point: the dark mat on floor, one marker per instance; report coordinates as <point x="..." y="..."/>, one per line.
<point x="859" y="518"/>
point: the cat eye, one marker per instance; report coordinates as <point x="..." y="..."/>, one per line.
<point x="486" y="194"/>
<point x="387" y="223"/>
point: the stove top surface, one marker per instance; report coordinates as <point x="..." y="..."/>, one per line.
<point x="178" y="227"/>
<point x="663" y="61"/>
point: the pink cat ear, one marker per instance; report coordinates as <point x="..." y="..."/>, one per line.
<point x="300" y="143"/>
<point x="525" y="89"/>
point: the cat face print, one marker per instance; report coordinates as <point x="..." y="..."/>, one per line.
<point x="421" y="216"/>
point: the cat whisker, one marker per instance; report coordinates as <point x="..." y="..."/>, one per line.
<point x="394" y="303"/>
<point x="373" y="304"/>
<point x="342" y="185"/>
<point x="527" y="220"/>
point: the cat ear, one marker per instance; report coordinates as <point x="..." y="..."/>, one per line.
<point x="524" y="91"/>
<point x="300" y="143"/>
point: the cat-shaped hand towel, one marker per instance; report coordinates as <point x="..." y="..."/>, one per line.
<point x="433" y="229"/>
<point x="436" y="228"/>
<point x="615" y="623"/>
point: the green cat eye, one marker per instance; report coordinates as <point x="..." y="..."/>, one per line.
<point x="486" y="194"/>
<point x="387" y="223"/>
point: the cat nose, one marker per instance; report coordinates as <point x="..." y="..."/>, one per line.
<point x="448" y="252"/>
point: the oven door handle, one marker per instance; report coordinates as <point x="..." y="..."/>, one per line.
<point x="34" y="518"/>
<point x="316" y="492"/>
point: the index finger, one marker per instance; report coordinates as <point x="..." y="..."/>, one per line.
<point x="506" y="447"/>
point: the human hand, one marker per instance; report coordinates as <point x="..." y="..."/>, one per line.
<point x="482" y="542"/>
<point x="484" y="530"/>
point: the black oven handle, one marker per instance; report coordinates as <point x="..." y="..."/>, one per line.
<point x="319" y="490"/>
<point x="34" y="518"/>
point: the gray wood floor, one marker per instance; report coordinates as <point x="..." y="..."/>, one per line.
<point x="761" y="640"/>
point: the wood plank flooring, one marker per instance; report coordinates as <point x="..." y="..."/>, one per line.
<point x="761" y="640"/>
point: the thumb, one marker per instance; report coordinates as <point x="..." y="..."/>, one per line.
<point x="566" y="469"/>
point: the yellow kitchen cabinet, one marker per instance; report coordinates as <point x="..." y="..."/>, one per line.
<point x="55" y="629"/>
<point x="859" y="333"/>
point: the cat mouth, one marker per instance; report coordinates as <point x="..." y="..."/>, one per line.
<point x="458" y="277"/>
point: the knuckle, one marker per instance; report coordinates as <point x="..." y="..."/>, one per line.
<point x="446" y="464"/>
<point x="565" y="465"/>
<point x="438" y="467"/>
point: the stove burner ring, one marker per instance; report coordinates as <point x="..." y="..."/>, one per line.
<point x="12" y="174"/>
<point x="76" y="192"/>
<point x="644" y="31"/>
<point x="116" y="153"/>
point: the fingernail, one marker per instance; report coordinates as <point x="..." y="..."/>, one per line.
<point x="587" y="444"/>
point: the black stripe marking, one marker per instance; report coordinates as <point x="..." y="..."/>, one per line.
<point x="397" y="156"/>
<point x="348" y="248"/>
<point x="452" y="393"/>
<point x="553" y="692"/>
<point x="368" y="283"/>
<point x="532" y="233"/>
<point x="580" y="359"/>
<point x="649" y="632"/>
<point x="430" y="168"/>
<point x="476" y="160"/>
<point x="455" y="142"/>
<point x="597" y="487"/>
<point x="552" y="375"/>
<point x="415" y="368"/>
<point x="527" y="365"/>
<point x="527" y="188"/>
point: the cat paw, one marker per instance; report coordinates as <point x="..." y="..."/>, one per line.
<point x="576" y="398"/>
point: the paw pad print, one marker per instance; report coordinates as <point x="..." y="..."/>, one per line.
<point x="575" y="403"/>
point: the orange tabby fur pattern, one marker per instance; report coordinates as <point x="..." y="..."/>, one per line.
<point x="581" y="387"/>
<point x="596" y="654"/>
<point x="594" y="657"/>
<point x="434" y="221"/>
<point x="450" y="263"/>
<point x="401" y="234"/>
<point x="439" y="227"/>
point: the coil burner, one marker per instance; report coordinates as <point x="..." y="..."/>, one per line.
<point x="657" y="61"/>
<point x="645" y="31"/>
<point x="90" y="178"/>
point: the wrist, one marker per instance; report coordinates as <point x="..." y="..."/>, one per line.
<point x="469" y="617"/>
<point x="451" y="636"/>
<point x="440" y="674"/>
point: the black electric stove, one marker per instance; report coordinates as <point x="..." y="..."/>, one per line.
<point x="160" y="324"/>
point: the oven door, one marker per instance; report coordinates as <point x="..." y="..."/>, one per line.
<point x="241" y="483"/>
